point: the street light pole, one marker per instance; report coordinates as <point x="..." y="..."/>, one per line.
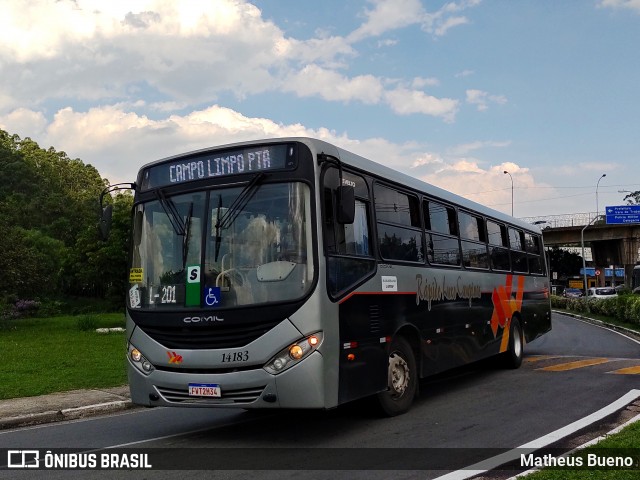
<point x="584" y="262"/>
<point x="597" y="185"/>
<point x="507" y="173"/>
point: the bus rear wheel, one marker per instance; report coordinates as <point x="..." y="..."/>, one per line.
<point x="402" y="379"/>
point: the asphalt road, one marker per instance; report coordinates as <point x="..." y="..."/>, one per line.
<point x="571" y="372"/>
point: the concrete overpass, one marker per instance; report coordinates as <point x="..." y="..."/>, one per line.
<point x="616" y="245"/>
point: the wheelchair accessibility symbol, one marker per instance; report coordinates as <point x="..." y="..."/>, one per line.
<point x="212" y="296"/>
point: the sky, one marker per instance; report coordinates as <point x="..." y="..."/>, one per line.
<point x="452" y="92"/>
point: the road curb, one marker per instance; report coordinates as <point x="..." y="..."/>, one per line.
<point x="64" y="414"/>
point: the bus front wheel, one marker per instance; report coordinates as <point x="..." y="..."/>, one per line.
<point x="402" y="379"/>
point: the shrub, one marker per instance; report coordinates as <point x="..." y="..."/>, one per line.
<point x="50" y="308"/>
<point x="624" y="308"/>
<point x="14" y="308"/>
<point x="558" y="302"/>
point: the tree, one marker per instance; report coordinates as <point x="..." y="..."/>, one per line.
<point x="48" y="219"/>
<point x="564" y="263"/>
<point x="633" y="198"/>
<point x="104" y="263"/>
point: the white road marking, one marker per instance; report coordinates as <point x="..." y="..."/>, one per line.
<point x="544" y="441"/>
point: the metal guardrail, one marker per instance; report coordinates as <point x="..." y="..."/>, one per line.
<point x="565" y="220"/>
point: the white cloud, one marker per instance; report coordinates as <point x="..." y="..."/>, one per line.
<point x="627" y="4"/>
<point x="313" y="80"/>
<point x="387" y="43"/>
<point x="487" y="186"/>
<point x="427" y="159"/>
<point x="25" y="122"/>
<point x="182" y="54"/>
<point x="326" y="50"/>
<point x="464" y="73"/>
<point x="441" y="21"/>
<point x="464" y="149"/>
<point x="387" y="15"/>
<point x="118" y="141"/>
<point x="482" y="99"/>
<point x="447" y="24"/>
<point x="420" y="82"/>
<point x="91" y="49"/>
<point x="405" y="102"/>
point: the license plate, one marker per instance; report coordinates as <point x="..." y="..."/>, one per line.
<point x="204" y="390"/>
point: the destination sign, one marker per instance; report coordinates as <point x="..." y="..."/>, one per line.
<point x="216" y="164"/>
<point x="623" y="214"/>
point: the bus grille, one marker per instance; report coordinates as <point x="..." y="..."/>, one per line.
<point x="227" y="336"/>
<point x="229" y="397"/>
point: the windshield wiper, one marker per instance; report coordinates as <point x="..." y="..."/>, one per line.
<point x="180" y="227"/>
<point x="240" y="202"/>
<point x="172" y="213"/>
<point x="217" y="249"/>
<point x="187" y="235"/>
<point x="235" y="208"/>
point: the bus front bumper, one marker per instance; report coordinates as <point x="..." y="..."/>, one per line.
<point x="300" y="386"/>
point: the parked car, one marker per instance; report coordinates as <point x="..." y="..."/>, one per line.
<point x="572" y="292"/>
<point x="601" y="292"/>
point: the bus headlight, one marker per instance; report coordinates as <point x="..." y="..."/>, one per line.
<point x="138" y="360"/>
<point x="293" y="354"/>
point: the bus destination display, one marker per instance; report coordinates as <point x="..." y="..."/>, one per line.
<point x="217" y="164"/>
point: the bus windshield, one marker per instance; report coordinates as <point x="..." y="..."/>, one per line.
<point x="226" y="247"/>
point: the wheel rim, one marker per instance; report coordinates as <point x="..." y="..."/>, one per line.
<point x="399" y="374"/>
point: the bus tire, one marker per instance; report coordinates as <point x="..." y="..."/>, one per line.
<point x="512" y="358"/>
<point x="402" y="377"/>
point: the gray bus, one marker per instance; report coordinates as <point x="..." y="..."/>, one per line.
<point x="291" y="273"/>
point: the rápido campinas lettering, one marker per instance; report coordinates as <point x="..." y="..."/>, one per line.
<point x="434" y="291"/>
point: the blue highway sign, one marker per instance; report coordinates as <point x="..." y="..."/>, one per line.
<point x="623" y="214"/>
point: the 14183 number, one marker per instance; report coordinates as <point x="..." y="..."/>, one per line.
<point x="233" y="357"/>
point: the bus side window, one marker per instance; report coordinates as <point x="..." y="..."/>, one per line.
<point x="518" y="255"/>
<point x="443" y="245"/>
<point x="498" y="246"/>
<point x="533" y="245"/>
<point x="473" y="241"/>
<point x="400" y="235"/>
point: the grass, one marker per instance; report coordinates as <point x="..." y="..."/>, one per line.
<point x="613" y="321"/>
<point x="46" y="355"/>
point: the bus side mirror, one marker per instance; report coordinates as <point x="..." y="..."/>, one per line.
<point x="346" y="208"/>
<point x="105" y="221"/>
